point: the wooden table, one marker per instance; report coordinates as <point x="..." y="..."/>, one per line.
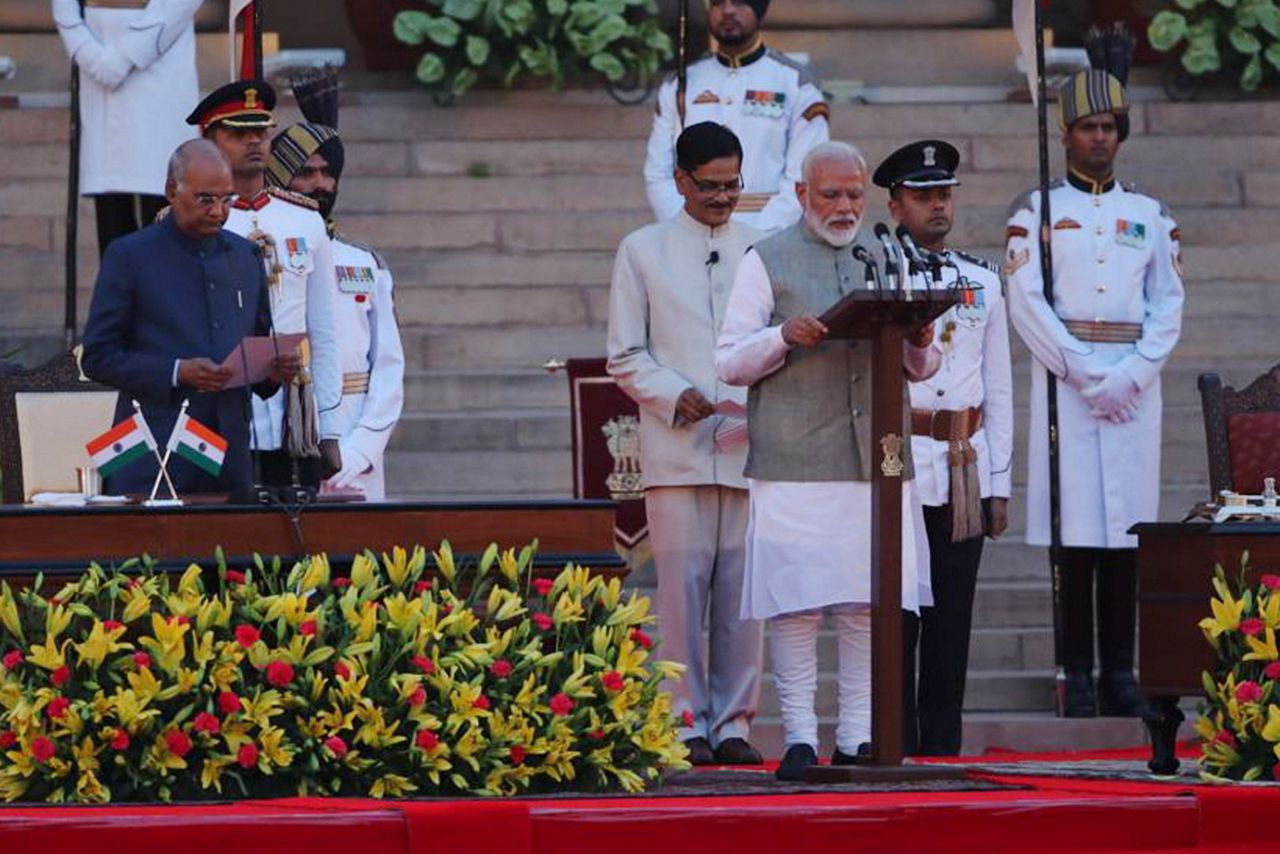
<point x="56" y="539"/>
<point x="1175" y="576"/>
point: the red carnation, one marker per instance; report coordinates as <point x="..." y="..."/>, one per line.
<point x="135" y="583"/>
<point x="8" y="739"/>
<point x="686" y="719"/>
<point x="341" y="582"/>
<point x="543" y="585"/>
<point x="1272" y="670"/>
<point x="517" y="755"/>
<point x="141" y="659"/>
<point x="424" y="664"/>
<point x="422" y="587"/>
<point x="341" y="670"/>
<point x="307" y="629"/>
<point x="228" y="702"/>
<point x="247" y="635"/>
<point x="279" y="674"/>
<point x="57" y="708"/>
<point x="542" y="621"/>
<point x="177" y="742"/>
<point x="235" y="576"/>
<point x="641" y="639"/>
<point x="1225" y="737"/>
<point x="596" y="735"/>
<point x="42" y="748"/>
<point x="418" y="697"/>
<point x="612" y="681"/>
<point x="12" y="659"/>
<point x="120" y="741"/>
<point x="247" y="755"/>
<point x="60" y="676"/>
<point x="1252" y="626"/>
<point x="500" y="668"/>
<point x="481" y="702"/>
<point x="1271" y="582"/>
<point x="336" y="745"/>
<point x="561" y="704"/>
<point x="205" y="722"/>
<point x="183" y="620"/>
<point x="426" y="740"/>
<point x="1249" y="692"/>
<point x="112" y="625"/>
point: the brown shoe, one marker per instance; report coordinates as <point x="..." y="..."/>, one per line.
<point x="700" y="752"/>
<point x="736" y="751"/>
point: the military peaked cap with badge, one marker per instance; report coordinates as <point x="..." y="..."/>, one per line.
<point x="920" y="166"/>
<point x="241" y="104"/>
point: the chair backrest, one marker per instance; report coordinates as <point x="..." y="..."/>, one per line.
<point x="1242" y="431"/>
<point x="46" y="416"/>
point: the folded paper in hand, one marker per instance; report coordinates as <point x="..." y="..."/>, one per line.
<point x="256" y="353"/>
<point x="731" y="432"/>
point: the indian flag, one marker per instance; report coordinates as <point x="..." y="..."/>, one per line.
<point x="121" y="445"/>
<point x="198" y="445"/>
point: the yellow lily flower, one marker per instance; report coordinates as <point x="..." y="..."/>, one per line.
<point x="317" y="575"/>
<point x="100" y="643"/>
<point x="1262" y="650"/>
<point x="363" y="572"/>
<point x="391" y="786"/>
<point x="444" y="562"/>
<point x="9" y="612"/>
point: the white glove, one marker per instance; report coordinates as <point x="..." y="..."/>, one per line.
<point x="66" y="12"/>
<point x="354" y="464"/>
<point x="106" y="65"/>
<point x="1113" y="397"/>
<point x="1080" y="374"/>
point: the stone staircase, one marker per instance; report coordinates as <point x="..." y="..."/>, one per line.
<point x="500" y="216"/>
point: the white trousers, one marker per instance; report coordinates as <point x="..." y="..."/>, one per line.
<point x="793" y="645"/>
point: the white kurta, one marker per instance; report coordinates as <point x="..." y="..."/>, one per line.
<point x="666" y="304"/>
<point x="809" y="544"/>
<point x="370" y="340"/>
<point x="302" y="302"/>
<point x="775" y="107"/>
<point x="1116" y="258"/>
<point x="975" y="373"/>
<point x="137" y="84"/>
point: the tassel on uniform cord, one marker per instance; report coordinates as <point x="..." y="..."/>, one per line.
<point x="303" y="432"/>
<point x="966" y="489"/>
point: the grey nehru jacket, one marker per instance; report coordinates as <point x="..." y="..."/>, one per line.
<point x="811" y="420"/>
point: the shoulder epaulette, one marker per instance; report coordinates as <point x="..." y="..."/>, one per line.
<point x="1023" y="200"/>
<point x="294" y="198"/>
<point x="805" y="73"/>
<point x="163" y="213"/>
<point x="980" y="262"/>
<point x="377" y="256"/>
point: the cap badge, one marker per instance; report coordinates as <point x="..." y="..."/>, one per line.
<point x="930" y="155"/>
<point x="251" y="99"/>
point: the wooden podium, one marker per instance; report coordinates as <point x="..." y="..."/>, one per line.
<point x="885" y="318"/>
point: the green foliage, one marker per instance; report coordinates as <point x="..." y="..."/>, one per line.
<point x="469" y="40"/>
<point x="1242" y="36"/>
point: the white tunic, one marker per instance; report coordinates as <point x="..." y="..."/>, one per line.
<point x="370" y="341"/>
<point x="1116" y="258"/>
<point x="775" y="107"/>
<point x="302" y="302"/>
<point x="809" y="544"/>
<point x="666" y="304"/>
<point x="129" y="127"/>
<point x="976" y="373"/>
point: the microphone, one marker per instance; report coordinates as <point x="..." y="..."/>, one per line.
<point x="869" y="263"/>
<point x="892" y="270"/>
<point x="713" y="258"/>
<point x="915" y="258"/>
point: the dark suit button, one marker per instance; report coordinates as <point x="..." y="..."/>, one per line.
<point x="212" y="286"/>
<point x="217" y="324"/>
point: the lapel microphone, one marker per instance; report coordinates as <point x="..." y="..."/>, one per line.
<point x="713" y="258"/>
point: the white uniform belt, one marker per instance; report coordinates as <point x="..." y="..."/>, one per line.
<point x="753" y="202"/>
<point x="355" y="383"/>
<point x="1104" y="332"/>
<point x="116" y="4"/>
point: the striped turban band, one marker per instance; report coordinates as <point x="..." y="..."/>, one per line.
<point x="1090" y="92"/>
<point x="291" y="149"/>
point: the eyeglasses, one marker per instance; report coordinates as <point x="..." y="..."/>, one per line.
<point x="209" y="200"/>
<point x="732" y="188"/>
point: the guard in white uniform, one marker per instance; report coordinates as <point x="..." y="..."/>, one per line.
<point x="137" y="63"/>
<point x="1114" y="320"/>
<point x="962" y="439"/>
<point x="771" y="103"/>
<point x="298" y="429"/>
<point x="308" y="158"/>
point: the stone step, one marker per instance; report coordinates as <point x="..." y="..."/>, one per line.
<point x="506" y="430"/>
<point x="867" y="14"/>
<point x="459" y="390"/>
<point x="538" y="473"/>
<point x="517" y="347"/>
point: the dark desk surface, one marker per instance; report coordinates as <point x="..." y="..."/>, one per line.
<point x="56" y="538"/>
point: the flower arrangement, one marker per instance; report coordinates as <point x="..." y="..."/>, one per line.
<point x="550" y="39"/>
<point x="1241" y="723"/>
<point x="1241" y="35"/>
<point x="391" y="681"/>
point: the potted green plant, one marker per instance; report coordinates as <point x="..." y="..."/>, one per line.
<point x="1214" y="37"/>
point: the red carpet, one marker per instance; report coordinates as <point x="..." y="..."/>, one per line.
<point x="1049" y="814"/>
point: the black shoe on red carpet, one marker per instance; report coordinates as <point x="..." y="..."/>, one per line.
<point x="797" y="758"/>
<point x="862" y="757"/>
<point x="700" y="752"/>
<point x="736" y="751"/>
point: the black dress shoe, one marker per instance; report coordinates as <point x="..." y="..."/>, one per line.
<point x="700" y="752"/>
<point x="1120" y="697"/>
<point x="736" y="751"/>
<point x="797" y="758"/>
<point x="862" y="757"/>
<point x="1081" y="700"/>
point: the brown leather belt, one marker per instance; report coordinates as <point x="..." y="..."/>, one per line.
<point x="116" y="4"/>
<point x="1104" y="332"/>
<point x="946" y="425"/>
<point x="355" y="383"/>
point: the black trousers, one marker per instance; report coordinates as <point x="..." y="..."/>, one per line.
<point x="119" y="214"/>
<point x="1116" y="599"/>
<point x="939" y="638"/>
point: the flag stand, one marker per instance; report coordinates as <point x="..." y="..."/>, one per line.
<point x="173" y="500"/>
